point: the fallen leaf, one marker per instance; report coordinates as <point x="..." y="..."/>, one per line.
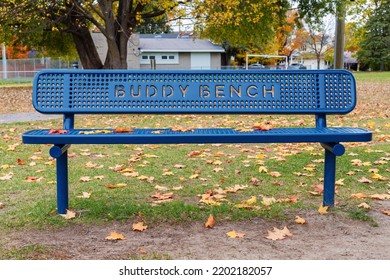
<point x="379" y="177"/>
<point x="7" y="176"/>
<point x="122" y="130"/>
<point x="299" y="220"/>
<point x="262" y="127"/>
<point x="359" y="195"/>
<point x="235" y="234"/>
<point x="210" y="223"/>
<point x="163" y="196"/>
<point x="115" y="236"/>
<point x="30" y="179"/>
<point x="85" y="179"/>
<point x="380" y="196"/>
<point x="69" y="214"/>
<point x="139" y="226"/>
<point x="85" y="195"/>
<point x="386" y="212"/>
<point x="365" y="180"/>
<point x="278" y="234"/>
<point x="267" y="201"/>
<point x="275" y="174"/>
<point x="263" y="169"/>
<point x="2" y="205"/>
<point x="57" y="131"/>
<point x="364" y="205"/>
<point x="114" y="186"/>
<point x="323" y="210"/>
<point x="251" y="200"/>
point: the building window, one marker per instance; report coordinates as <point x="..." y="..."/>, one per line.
<point x="161" y="58"/>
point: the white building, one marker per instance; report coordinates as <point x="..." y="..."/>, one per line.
<point x="166" y="51"/>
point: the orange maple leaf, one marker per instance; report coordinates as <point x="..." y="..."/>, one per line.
<point x="210" y="223"/>
<point x="122" y="130"/>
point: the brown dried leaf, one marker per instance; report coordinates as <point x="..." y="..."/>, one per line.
<point x="278" y="234"/>
<point x="139" y="226"/>
<point x="69" y="215"/>
<point x="386" y="211"/>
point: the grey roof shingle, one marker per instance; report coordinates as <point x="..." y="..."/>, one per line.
<point x="178" y="45"/>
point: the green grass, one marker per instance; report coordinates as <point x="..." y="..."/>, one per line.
<point x="372" y="76"/>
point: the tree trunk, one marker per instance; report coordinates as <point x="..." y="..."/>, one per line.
<point x="86" y="50"/>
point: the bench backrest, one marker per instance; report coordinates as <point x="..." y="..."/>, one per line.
<point x="210" y="91"/>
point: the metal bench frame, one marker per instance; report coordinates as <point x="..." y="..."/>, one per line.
<point x="313" y="92"/>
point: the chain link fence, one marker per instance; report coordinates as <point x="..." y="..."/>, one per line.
<point x="23" y="70"/>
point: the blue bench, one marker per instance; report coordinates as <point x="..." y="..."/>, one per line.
<point x="315" y="92"/>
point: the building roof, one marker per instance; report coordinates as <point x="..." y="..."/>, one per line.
<point x="178" y="45"/>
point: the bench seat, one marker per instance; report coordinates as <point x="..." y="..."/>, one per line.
<point x="197" y="136"/>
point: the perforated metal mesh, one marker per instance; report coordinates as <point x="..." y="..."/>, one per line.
<point x="91" y="91"/>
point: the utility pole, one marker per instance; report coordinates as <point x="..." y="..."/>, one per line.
<point x="4" y="55"/>
<point x="340" y="33"/>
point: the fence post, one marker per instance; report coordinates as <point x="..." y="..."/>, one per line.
<point x="4" y="55"/>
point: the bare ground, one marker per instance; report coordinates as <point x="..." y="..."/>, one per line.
<point x="331" y="236"/>
<point x="328" y="237"/>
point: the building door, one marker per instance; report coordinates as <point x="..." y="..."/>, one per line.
<point x="200" y="61"/>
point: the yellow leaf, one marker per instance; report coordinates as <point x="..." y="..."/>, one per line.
<point x="299" y="220"/>
<point x="250" y="201"/>
<point x="85" y="195"/>
<point x="379" y="177"/>
<point x="115" y="236"/>
<point x="263" y="169"/>
<point x="210" y="223"/>
<point x="69" y="215"/>
<point x="139" y="226"/>
<point x="235" y="234"/>
<point x="323" y="210"/>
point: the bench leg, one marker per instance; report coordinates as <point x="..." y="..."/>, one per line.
<point x="62" y="183"/>
<point x="329" y="178"/>
<point x="331" y="151"/>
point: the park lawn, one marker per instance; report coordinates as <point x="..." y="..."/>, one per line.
<point x="232" y="182"/>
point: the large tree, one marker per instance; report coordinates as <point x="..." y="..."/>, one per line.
<point x="375" y="46"/>
<point x="43" y="23"/>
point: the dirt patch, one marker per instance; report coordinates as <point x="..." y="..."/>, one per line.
<point x="331" y="236"/>
<point x="16" y="100"/>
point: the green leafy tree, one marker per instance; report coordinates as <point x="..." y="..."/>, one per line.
<point x="375" y="46"/>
